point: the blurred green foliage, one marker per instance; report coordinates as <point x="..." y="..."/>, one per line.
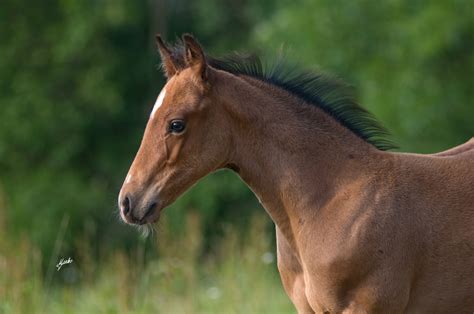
<point x="239" y="277"/>
<point x="78" y="78"/>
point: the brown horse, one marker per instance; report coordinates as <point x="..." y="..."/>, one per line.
<point x="359" y="229"/>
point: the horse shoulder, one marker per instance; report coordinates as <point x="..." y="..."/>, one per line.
<point x="356" y="243"/>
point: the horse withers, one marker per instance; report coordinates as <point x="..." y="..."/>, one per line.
<point x="359" y="229"/>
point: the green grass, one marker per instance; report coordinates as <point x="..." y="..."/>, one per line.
<point x="238" y="276"/>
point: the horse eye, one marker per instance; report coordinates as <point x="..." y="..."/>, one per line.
<point x="177" y="126"/>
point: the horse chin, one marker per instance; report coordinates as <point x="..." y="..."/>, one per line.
<point x="146" y="226"/>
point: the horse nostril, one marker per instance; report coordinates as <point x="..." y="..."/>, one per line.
<point x="126" y="204"/>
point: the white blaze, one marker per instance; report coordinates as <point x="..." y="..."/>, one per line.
<point x="129" y="177"/>
<point x="158" y="102"/>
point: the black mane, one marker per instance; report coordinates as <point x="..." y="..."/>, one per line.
<point x="331" y="95"/>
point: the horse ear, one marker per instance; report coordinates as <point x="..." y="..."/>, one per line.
<point x="169" y="65"/>
<point x="194" y="55"/>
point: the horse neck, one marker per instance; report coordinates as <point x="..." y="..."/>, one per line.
<point x="293" y="156"/>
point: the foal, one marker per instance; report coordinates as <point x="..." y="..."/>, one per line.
<point x="359" y="229"/>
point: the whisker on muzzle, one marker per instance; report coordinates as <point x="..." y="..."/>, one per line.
<point x="145" y="230"/>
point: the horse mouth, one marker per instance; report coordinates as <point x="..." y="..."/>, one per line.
<point x="151" y="215"/>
